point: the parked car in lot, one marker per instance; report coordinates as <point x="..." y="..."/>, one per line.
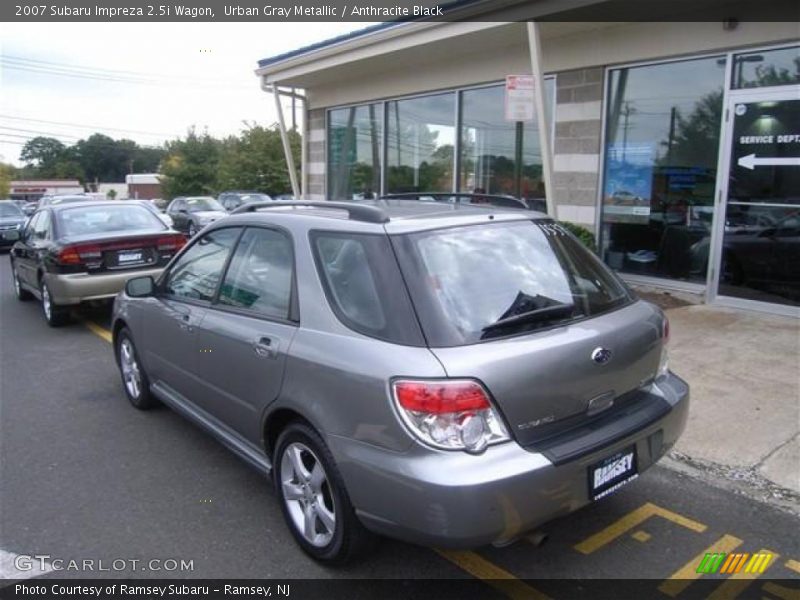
<point x="233" y="200"/>
<point x="163" y="217"/>
<point x="12" y="220"/>
<point x="73" y="252"/>
<point x="191" y="213"/>
<point x="443" y="373"/>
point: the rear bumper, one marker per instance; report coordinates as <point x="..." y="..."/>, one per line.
<point x="75" y="288"/>
<point x="455" y="500"/>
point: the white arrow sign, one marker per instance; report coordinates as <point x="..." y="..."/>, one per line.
<point x="751" y="162"/>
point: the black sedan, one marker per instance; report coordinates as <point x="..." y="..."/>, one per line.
<point x="76" y="252"/>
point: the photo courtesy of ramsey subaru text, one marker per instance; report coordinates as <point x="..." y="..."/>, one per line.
<point x="449" y="374"/>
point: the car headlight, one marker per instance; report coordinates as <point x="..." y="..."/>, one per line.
<point x="452" y="414"/>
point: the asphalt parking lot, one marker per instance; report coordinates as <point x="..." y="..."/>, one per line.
<point x="85" y="476"/>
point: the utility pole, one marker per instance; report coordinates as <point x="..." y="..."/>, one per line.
<point x="627" y="111"/>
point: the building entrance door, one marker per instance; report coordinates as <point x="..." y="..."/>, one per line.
<point x="756" y="249"/>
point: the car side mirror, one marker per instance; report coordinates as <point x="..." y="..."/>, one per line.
<point x="140" y="287"/>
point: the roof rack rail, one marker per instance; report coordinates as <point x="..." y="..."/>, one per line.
<point x="357" y="212"/>
<point x="459" y="198"/>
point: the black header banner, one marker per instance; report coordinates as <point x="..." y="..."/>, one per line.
<point x="394" y="10"/>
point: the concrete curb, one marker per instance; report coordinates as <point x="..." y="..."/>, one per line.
<point x="745" y="481"/>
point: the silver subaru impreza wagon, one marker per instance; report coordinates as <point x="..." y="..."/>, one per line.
<point x="446" y="374"/>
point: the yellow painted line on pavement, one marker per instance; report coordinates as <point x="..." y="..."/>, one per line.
<point x="99" y="331"/>
<point x="492" y="575"/>
<point x="684" y="576"/>
<point x="793" y="565"/>
<point x="737" y="583"/>
<point x="631" y="520"/>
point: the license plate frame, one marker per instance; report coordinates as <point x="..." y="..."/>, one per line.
<point x="602" y="478"/>
<point x="130" y="257"/>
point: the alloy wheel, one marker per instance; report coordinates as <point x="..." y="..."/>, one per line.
<point x="307" y="494"/>
<point x="131" y="374"/>
<point x="47" y="304"/>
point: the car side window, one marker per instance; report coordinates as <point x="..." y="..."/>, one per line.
<point x="177" y="205"/>
<point x="41" y="228"/>
<point x="196" y="274"/>
<point x="28" y="233"/>
<point x="259" y="277"/>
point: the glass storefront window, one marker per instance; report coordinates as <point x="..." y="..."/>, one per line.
<point x="766" y="69"/>
<point x="354" y="151"/>
<point x="420" y="138"/>
<point x="662" y="143"/>
<point x="761" y="241"/>
<point x="498" y="156"/>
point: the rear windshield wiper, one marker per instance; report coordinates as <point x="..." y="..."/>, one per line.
<point x="531" y="316"/>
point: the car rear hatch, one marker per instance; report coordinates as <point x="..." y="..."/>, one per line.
<point x="557" y="339"/>
<point x="548" y="383"/>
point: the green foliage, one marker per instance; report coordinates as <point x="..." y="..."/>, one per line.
<point x="190" y="166"/>
<point x="7" y="174"/>
<point x="255" y="161"/>
<point x="585" y="236"/>
<point x="97" y="157"/>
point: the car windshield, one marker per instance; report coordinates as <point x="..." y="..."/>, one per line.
<point x="8" y="209"/>
<point x="106" y="219"/>
<point x="201" y="204"/>
<point x="478" y="282"/>
<point x="245" y="198"/>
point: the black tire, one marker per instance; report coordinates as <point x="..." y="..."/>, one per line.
<point x="349" y="538"/>
<point x="55" y="314"/>
<point x="21" y="293"/>
<point x="139" y="394"/>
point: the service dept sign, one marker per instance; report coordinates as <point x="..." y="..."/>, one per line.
<point x="766" y="140"/>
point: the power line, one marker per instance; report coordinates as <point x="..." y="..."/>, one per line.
<point x="43" y="133"/>
<point x="85" y="126"/>
<point x="79" y="72"/>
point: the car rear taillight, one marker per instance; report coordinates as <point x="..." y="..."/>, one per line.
<point x="453" y="414"/>
<point x="79" y="254"/>
<point x="171" y="243"/>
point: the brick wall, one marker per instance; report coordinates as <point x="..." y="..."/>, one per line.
<point x="316" y="155"/>
<point x="576" y="150"/>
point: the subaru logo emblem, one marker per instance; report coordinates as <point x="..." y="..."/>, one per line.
<point x="601" y="355"/>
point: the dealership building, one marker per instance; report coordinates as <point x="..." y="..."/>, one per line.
<point x="676" y="143"/>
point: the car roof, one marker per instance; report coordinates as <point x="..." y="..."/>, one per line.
<point x="390" y="216"/>
<point x="88" y="203"/>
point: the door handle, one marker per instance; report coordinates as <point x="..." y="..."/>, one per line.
<point x="266" y="347"/>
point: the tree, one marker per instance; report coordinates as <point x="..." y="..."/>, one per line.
<point x="111" y="194"/>
<point x="255" y="161"/>
<point x="190" y="165"/>
<point x="42" y="153"/>
<point x="7" y="174"/>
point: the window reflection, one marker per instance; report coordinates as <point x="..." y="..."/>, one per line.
<point x="662" y="143"/>
<point x="420" y="140"/>
<point x="354" y="151"/>
<point x="766" y="69"/>
<point x="498" y="156"/>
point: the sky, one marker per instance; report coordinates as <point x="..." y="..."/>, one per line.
<point x="145" y="82"/>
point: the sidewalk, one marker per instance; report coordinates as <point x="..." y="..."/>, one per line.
<point x="744" y="422"/>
